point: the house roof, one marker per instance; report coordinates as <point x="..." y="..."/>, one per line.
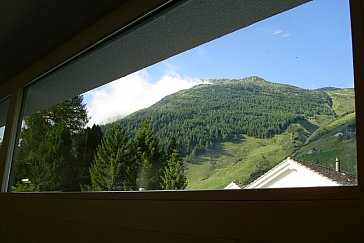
<point x="339" y="177"/>
<point x="235" y="185"/>
<point x="336" y="178"/>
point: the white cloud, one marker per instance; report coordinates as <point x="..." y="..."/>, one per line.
<point x="280" y="33"/>
<point x="277" y="32"/>
<point x="131" y="93"/>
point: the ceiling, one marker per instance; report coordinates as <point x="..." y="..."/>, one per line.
<point x="31" y="29"/>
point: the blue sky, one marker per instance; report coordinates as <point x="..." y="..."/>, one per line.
<point x="308" y="46"/>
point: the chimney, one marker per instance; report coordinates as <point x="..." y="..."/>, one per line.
<point x="337" y="167"/>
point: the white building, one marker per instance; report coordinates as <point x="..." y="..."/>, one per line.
<point x="292" y="173"/>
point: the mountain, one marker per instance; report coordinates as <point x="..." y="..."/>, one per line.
<point x="223" y="125"/>
<point x="200" y="116"/>
<point x="328" y="89"/>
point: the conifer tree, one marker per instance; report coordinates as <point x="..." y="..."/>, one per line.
<point x="45" y="162"/>
<point x="46" y="153"/>
<point x="86" y="145"/>
<point x="114" y="166"/>
<point x="150" y="158"/>
<point x="171" y="147"/>
<point x="173" y="176"/>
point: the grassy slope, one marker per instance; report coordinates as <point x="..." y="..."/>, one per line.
<point x="235" y="161"/>
<point x="343" y="100"/>
<point x="323" y="146"/>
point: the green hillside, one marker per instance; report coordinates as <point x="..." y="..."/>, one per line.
<point x="336" y="139"/>
<point x="235" y="130"/>
<point x="343" y="101"/>
<point x="204" y="115"/>
<point x="242" y="161"/>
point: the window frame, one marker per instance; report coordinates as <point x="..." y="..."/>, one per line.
<point x="15" y="92"/>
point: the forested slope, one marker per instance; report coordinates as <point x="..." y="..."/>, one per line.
<point x="220" y="111"/>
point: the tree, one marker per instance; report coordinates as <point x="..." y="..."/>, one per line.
<point x="86" y="145"/>
<point x="172" y="146"/>
<point x="173" y="176"/>
<point x="46" y="152"/>
<point x="43" y="161"/>
<point x="150" y="158"/>
<point x="53" y="168"/>
<point x="114" y="166"/>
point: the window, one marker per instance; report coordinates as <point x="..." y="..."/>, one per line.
<point x="222" y="126"/>
<point x="215" y="215"/>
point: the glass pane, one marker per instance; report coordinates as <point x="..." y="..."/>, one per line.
<point x="4" y="106"/>
<point x="270" y="105"/>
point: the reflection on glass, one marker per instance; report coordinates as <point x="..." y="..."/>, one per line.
<point x="4" y="106"/>
<point x="207" y="119"/>
<point x="2" y="129"/>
